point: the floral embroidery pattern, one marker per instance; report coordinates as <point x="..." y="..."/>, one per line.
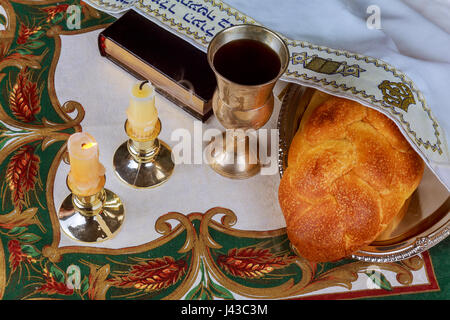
<point x="252" y="262"/>
<point x="154" y="274"/>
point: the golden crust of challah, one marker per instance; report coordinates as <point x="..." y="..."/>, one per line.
<point x="349" y="173"/>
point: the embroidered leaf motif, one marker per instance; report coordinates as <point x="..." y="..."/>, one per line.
<point x="154" y="274"/>
<point x="219" y="291"/>
<point x="35" y="44"/>
<point x="2" y="20"/>
<point x="207" y="288"/>
<point x="84" y="286"/>
<point x="52" y="286"/>
<point x="16" y="231"/>
<point x="195" y="293"/>
<point x="379" y="279"/>
<point x="55" y="13"/>
<point x="252" y="262"/>
<point x="97" y="284"/>
<point x="26" y="32"/>
<point x="30" y="250"/>
<point x="37" y="34"/>
<point x="17" y="220"/>
<point x="24" y="51"/>
<point x="57" y="273"/>
<point x="29" y="237"/>
<point x="20" y="253"/>
<point x="24" y="97"/>
<point x="16" y="256"/>
<point x="58" y="17"/>
<point x="21" y="174"/>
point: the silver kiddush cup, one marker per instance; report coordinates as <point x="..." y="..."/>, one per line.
<point x="241" y="108"/>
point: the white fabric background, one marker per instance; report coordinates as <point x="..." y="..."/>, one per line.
<point x="414" y="36"/>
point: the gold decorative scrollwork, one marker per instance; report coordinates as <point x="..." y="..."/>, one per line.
<point x="310" y="282"/>
<point x="397" y="94"/>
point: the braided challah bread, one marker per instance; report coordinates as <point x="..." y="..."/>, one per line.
<point x="349" y="173"/>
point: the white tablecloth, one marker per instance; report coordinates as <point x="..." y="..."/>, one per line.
<point x="414" y="35"/>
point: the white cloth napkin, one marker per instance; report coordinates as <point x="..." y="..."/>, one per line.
<point x="414" y="36"/>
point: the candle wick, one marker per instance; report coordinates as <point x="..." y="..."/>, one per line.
<point x="142" y="84"/>
<point x="88" y="145"/>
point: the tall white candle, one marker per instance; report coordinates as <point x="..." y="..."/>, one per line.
<point x="142" y="113"/>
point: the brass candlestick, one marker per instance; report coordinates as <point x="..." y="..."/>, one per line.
<point x="143" y="162"/>
<point x="91" y="218"/>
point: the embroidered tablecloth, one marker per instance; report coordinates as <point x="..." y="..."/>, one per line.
<point x="189" y="242"/>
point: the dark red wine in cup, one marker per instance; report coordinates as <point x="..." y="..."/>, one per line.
<point x="247" y="62"/>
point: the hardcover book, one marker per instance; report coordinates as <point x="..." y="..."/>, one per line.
<point x="178" y="70"/>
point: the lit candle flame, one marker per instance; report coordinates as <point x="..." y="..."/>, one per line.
<point x="88" y="145"/>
